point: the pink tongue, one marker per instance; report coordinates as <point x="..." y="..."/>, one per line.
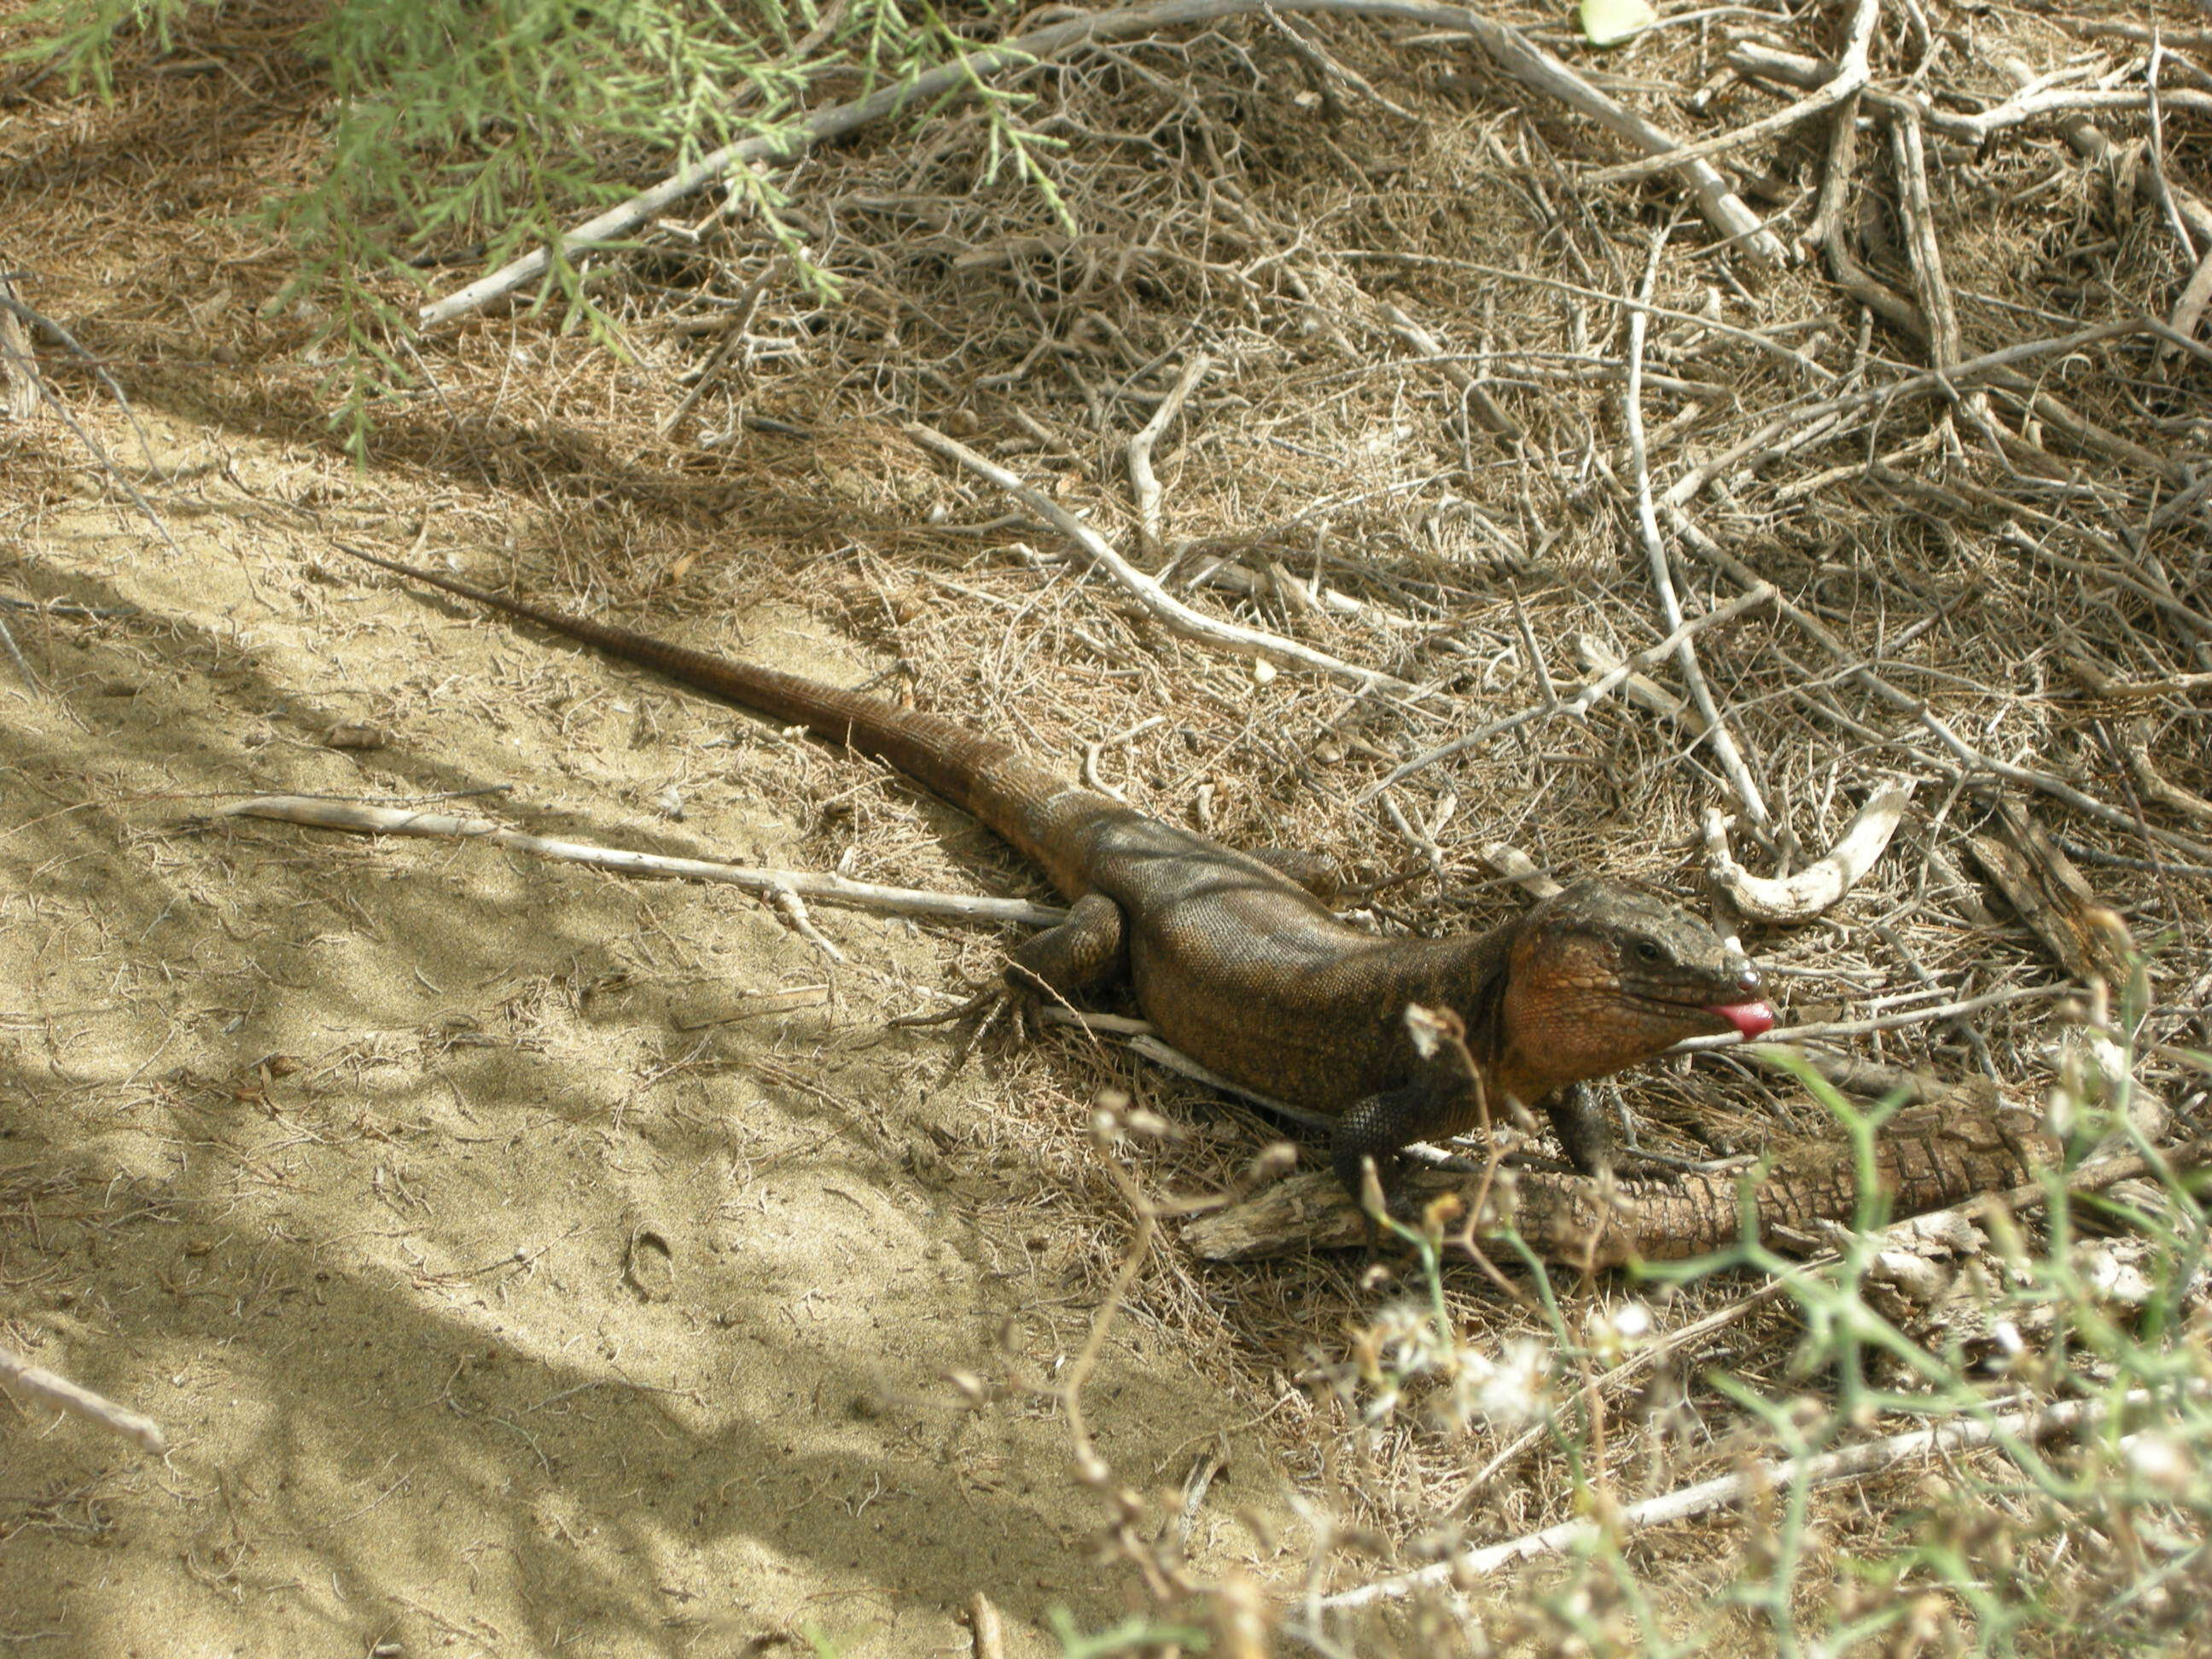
<point x="1752" y="1018"/>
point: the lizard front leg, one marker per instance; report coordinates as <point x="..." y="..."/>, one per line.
<point x="1579" y="1123"/>
<point x="1443" y="1098"/>
<point x="1443" y="1101"/>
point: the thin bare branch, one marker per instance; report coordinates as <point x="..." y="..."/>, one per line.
<point x="1512" y="51"/>
<point x="773" y="884"/>
<point x="1585" y="696"/>
<point x="1851" y="1463"/>
<point x="1171" y="612"/>
<point x="1849" y="76"/>
<point x="1663" y="576"/>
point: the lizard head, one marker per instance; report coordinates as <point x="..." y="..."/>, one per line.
<point x="1603" y="976"/>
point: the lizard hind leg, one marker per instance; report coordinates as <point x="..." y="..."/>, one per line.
<point x="1314" y="872"/>
<point x="1087" y="951"/>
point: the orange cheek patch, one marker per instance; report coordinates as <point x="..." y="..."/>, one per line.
<point x="1584" y="1022"/>
<point x="1570" y="1020"/>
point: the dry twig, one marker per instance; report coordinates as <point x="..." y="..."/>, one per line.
<point x="2051" y="896"/>
<point x="36" y="1382"/>
<point x="1512" y="51"/>
<point x="1843" y="85"/>
<point x="2159" y="789"/>
<point x="1853" y="1463"/>
<point x="1663" y="576"/>
<point x="1478" y="396"/>
<point x="1971" y="761"/>
<point x="1170" y="611"/>
<point x="1146" y="486"/>
<point x="782" y="887"/>
<point x="1589" y="693"/>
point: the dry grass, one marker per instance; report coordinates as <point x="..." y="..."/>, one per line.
<point x="1264" y="192"/>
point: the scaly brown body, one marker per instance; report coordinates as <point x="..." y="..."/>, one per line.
<point x="1248" y="971"/>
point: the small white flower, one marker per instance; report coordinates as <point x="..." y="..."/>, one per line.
<point x="1620" y="1330"/>
<point x="1506" y="1391"/>
<point x="1408" y="1338"/>
<point x="2159" y="1461"/>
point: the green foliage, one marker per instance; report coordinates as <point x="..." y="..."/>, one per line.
<point x="453" y="122"/>
<point x="1134" y="1634"/>
<point x="452" y="115"/>
<point x="76" y="36"/>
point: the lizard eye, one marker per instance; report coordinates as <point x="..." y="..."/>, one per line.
<point x="1647" y="950"/>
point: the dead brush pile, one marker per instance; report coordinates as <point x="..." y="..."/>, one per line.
<point x="1486" y="405"/>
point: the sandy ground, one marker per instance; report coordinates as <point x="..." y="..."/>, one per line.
<point x="520" y="1259"/>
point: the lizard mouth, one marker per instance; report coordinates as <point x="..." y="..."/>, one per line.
<point x="1748" y="1019"/>
<point x="1752" y="1020"/>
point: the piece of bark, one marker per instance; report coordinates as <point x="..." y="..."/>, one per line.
<point x="1517" y="867"/>
<point x="1926" y="1157"/>
<point x="2159" y="787"/>
<point x="19" y="372"/>
<point x="2051" y="896"/>
<point x="1804" y="896"/>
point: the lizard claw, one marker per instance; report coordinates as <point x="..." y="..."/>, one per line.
<point x="1645" y="1163"/>
<point x="986" y="1008"/>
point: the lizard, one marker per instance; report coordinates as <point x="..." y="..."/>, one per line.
<point x="1237" y="961"/>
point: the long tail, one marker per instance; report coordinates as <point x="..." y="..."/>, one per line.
<point x="982" y="776"/>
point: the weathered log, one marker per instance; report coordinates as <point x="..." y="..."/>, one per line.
<point x="1925" y="1157"/>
